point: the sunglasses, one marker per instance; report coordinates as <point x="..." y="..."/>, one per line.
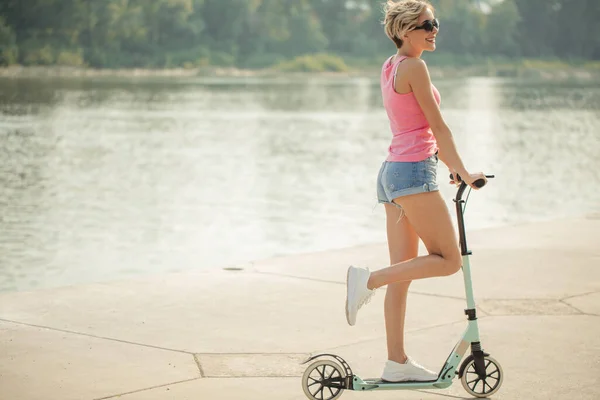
<point x="429" y="25"/>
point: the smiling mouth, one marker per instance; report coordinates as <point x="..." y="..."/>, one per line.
<point x="431" y="40"/>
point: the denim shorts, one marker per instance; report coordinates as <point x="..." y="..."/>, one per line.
<point x="398" y="179"/>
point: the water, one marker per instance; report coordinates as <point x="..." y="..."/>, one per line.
<point x="109" y="178"/>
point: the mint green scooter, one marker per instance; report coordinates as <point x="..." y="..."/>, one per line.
<point x="480" y="374"/>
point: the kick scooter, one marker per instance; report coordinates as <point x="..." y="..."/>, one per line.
<point x="480" y="374"/>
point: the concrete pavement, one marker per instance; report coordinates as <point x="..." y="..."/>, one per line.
<point x="240" y="334"/>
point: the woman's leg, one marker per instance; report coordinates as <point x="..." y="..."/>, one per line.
<point x="429" y="216"/>
<point x="403" y="245"/>
<point x="430" y="220"/>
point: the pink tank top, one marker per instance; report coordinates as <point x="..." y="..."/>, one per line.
<point x="412" y="139"/>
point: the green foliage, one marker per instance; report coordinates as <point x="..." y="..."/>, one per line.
<point x="263" y="33"/>
<point x="36" y="53"/>
<point x="8" y="44"/>
<point x="189" y="58"/>
<point x="461" y="27"/>
<point x="592" y="65"/>
<point x="222" y="59"/>
<point x="501" y="30"/>
<point x="261" y="60"/>
<point x="8" y="55"/>
<point x="70" y="58"/>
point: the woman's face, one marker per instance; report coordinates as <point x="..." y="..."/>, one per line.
<point x="421" y="39"/>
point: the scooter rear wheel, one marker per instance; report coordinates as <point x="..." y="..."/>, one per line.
<point x="487" y="386"/>
<point x="323" y="380"/>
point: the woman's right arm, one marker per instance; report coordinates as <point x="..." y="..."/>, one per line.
<point x="420" y="83"/>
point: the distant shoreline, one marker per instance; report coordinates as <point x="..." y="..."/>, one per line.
<point x="490" y="70"/>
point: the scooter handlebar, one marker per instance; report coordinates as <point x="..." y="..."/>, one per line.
<point x="478" y="183"/>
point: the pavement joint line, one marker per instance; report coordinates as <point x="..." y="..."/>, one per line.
<point x="300" y="277"/>
<point x="436" y="295"/>
<point x="485" y="313"/>
<point x="199" y="364"/>
<point x="250" y="354"/>
<point x="544" y="315"/>
<point x="383" y="337"/>
<point x="96" y="337"/>
<point x="462" y="320"/>
<point x="343" y="283"/>
<point x="571" y="306"/>
<point x="478" y="307"/>
<point x="248" y="377"/>
<point x="453" y="323"/>
<point x="418" y="292"/>
<point x="580" y="295"/>
<point x="145" y="389"/>
<point x="442" y="394"/>
<point x="559" y="301"/>
<point x="254" y="377"/>
<point x="483" y="299"/>
<point x="583" y="313"/>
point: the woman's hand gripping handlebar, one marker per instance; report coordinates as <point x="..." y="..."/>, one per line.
<point x="477" y="183"/>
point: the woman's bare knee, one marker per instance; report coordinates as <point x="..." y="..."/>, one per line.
<point x="454" y="265"/>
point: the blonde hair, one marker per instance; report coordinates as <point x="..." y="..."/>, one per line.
<point x="402" y="16"/>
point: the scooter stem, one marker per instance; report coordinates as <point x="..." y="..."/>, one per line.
<point x="460" y="219"/>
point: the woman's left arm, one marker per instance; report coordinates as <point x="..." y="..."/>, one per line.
<point x="453" y="172"/>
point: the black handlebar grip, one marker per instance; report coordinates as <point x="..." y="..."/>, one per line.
<point x="478" y="183"/>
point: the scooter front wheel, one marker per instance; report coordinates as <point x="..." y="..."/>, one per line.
<point x="323" y="380"/>
<point x="487" y="386"/>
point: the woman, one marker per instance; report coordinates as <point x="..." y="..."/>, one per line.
<point x="407" y="184"/>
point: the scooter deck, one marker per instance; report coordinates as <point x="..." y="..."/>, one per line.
<point x="379" y="384"/>
<point x="380" y="381"/>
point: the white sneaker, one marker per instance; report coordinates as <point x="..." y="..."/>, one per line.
<point x="357" y="293"/>
<point x="409" y="371"/>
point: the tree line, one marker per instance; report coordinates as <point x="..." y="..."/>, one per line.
<point x="260" y="33"/>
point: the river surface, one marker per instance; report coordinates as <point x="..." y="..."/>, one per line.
<point x="108" y="178"/>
